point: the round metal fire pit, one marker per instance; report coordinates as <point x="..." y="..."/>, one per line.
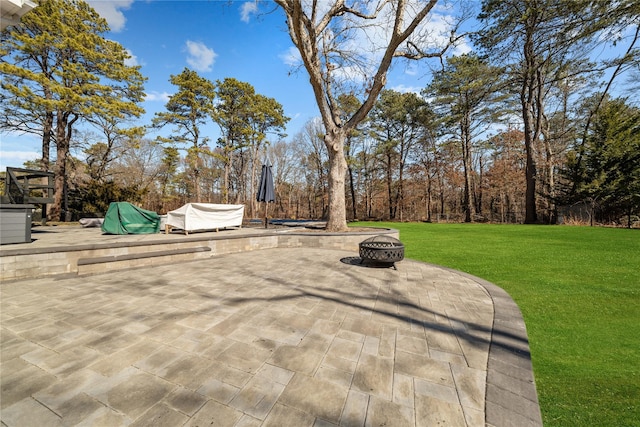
<point x="381" y="250"/>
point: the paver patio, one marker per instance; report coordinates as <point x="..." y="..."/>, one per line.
<point x="277" y="337"/>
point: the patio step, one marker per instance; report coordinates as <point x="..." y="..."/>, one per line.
<point x="116" y="262"/>
<point x="60" y="252"/>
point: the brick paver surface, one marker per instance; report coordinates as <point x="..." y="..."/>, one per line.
<point x="279" y="337"/>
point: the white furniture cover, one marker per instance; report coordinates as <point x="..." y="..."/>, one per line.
<point x="205" y="216"/>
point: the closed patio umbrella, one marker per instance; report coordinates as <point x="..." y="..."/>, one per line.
<point x="266" y="193"/>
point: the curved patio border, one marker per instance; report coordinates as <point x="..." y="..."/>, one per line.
<point x="511" y="397"/>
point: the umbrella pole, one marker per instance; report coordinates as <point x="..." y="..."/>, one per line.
<point x="266" y="218"/>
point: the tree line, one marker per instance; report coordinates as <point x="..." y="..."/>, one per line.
<point x="524" y="129"/>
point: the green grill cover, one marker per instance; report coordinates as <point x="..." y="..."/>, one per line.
<point x="125" y="218"/>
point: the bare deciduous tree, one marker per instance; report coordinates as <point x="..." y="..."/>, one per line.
<point x="344" y="44"/>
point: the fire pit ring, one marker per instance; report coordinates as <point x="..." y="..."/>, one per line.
<point x="381" y="250"/>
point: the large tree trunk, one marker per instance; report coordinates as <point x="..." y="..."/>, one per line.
<point x="63" y="138"/>
<point x="466" y="163"/>
<point x="530" y="216"/>
<point x="527" y="99"/>
<point x="307" y="30"/>
<point x="389" y="188"/>
<point x="337" y="215"/>
<point x="58" y="195"/>
<point x="429" y="201"/>
<point x="196" y="176"/>
<point x="352" y="189"/>
<point x="45" y="164"/>
<point x="47" y="131"/>
<point x="352" y="184"/>
<point x="400" y="195"/>
<point x="549" y="184"/>
<point x="226" y="177"/>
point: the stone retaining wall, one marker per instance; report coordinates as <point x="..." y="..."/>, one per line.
<point x="28" y="263"/>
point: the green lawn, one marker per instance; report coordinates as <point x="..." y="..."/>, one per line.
<point x="579" y="291"/>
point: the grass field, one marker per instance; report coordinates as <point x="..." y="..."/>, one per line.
<point x="579" y="291"/>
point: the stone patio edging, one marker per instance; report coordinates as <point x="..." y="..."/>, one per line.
<point x="511" y="397"/>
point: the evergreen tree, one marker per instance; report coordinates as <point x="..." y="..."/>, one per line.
<point x="244" y="118"/>
<point x="609" y="172"/>
<point x="468" y="92"/>
<point x="59" y="70"/>
<point x="536" y="40"/>
<point x="188" y="110"/>
<point x="398" y="122"/>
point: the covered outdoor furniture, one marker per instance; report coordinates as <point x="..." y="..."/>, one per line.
<point x="125" y="218"/>
<point x="91" y="222"/>
<point x="204" y="216"/>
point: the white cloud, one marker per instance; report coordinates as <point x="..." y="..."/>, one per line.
<point x="110" y="10"/>
<point x="407" y="89"/>
<point x="462" y="47"/>
<point x="17" y="158"/>
<point x="157" y="96"/>
<point x="200" y="57"/>
<point x="291" y="57"/>
<point x="247" y="9"/>
<point x="132" y="60"/>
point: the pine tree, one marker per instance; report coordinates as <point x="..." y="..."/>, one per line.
<point x="60" y="70"/>
<point x="610" y="169"/>
<point x="188" y="110"/>
<point x="468" y="92"/>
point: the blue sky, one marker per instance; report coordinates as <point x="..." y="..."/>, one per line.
<point x="218" y="39"/>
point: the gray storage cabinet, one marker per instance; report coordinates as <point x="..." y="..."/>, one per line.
<point x="15" y="223"/>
